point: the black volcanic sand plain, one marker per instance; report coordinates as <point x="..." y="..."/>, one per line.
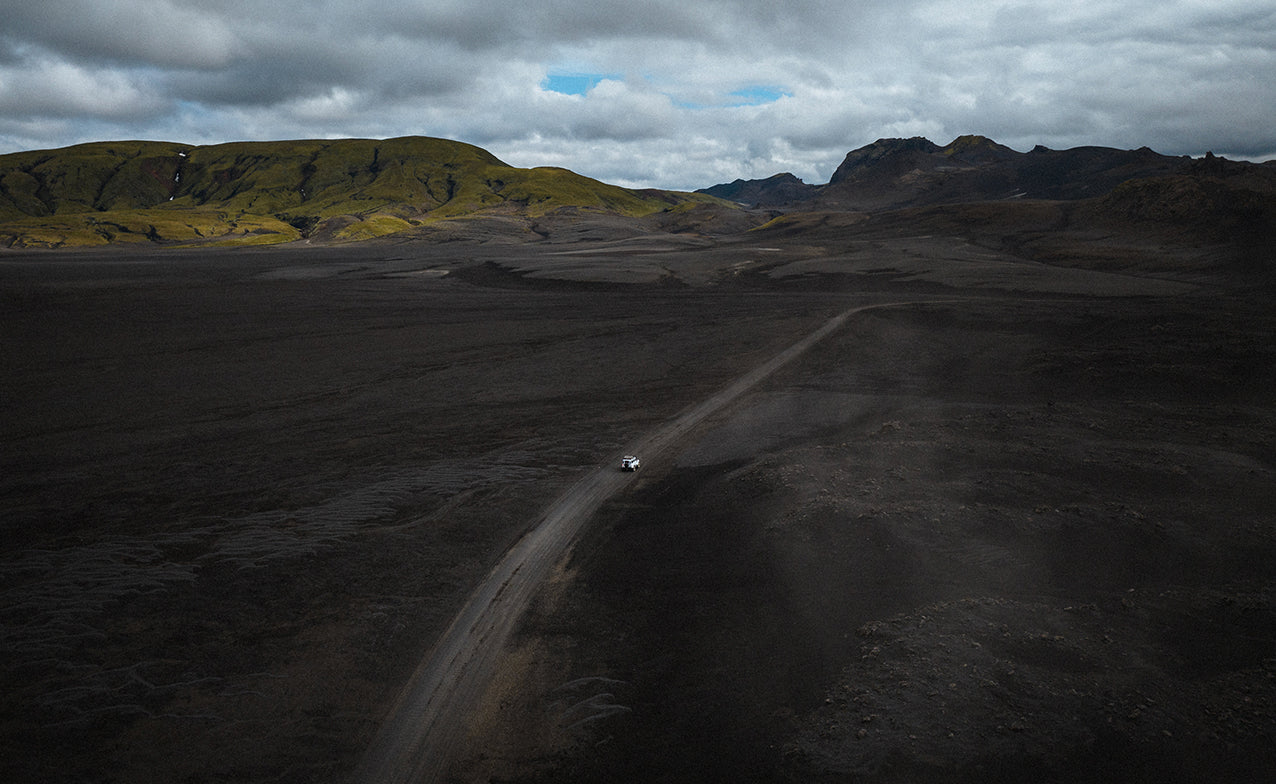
<point x="1017" y="526"/>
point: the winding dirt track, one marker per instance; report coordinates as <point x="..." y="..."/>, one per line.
<point x="426" y="724"/>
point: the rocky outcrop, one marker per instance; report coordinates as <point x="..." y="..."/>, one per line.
<point x="775" y="191"/>
<point x="895" y="173"/>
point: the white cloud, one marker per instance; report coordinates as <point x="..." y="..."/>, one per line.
<point x="337" y="104"/>
<point x="1181" y="77"/>
<point x="160" y="33"/>
<point x="54" y="89"/>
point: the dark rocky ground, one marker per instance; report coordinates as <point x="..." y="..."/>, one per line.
<point x="1019" y="527"/>
<point x="989" y="541"/>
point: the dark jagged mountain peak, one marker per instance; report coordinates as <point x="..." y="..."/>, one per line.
<point x="774" y="191"/>
<point x="978" y="150"/>
<point x="885" y="155"/>
<point x="895" y="173"/>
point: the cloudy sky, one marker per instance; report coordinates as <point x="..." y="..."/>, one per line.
<point x="665" y="93"/>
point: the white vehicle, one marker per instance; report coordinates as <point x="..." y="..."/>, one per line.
<point x="629" y="463"/>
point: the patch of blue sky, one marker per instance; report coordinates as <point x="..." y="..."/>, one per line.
<point x="574" y="83"/>
<point x="755" y="95"/>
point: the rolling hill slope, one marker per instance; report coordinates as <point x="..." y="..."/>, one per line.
<point x="270" y="192"/>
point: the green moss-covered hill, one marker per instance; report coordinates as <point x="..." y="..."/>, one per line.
<point x="270" y="192"/>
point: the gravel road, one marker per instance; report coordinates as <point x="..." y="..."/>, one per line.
<point x="427" y="721"/>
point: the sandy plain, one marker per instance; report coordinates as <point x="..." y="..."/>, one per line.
<point x="1017" y="525"/>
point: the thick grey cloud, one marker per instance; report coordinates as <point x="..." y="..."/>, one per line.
<point x="678" y="94"/>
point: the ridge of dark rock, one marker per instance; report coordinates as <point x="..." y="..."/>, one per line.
<point x="774" y="191"/>
<point x="897" y="173"/>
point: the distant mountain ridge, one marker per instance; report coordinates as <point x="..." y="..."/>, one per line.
<point x="898" y="173"/>
<point x="269" y="192"/>
<point x="140" y="192"/>
<point x="774" y="191"/>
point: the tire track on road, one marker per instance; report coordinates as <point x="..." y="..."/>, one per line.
<point x="426" y="724"/>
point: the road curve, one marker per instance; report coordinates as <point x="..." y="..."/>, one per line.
<point x="426" y="724"/>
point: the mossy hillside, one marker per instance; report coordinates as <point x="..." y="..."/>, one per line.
<point x="328" y="178"/>
<point x="88" y="177"/>
<point x="539" y="191"/>
<point x="386" y="185"/>
<point x="371" y="227"/>
<point x="202" y="226"/>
